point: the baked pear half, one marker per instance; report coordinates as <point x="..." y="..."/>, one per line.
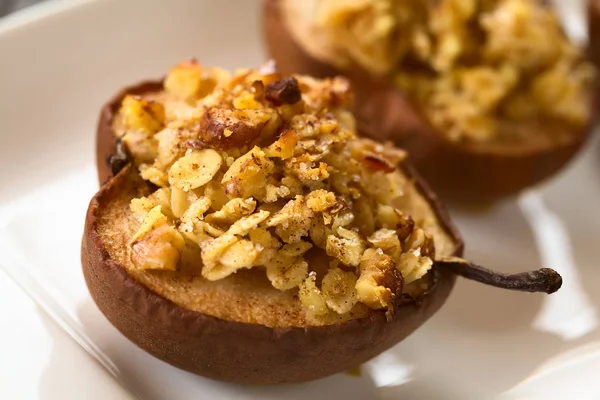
<point x="246" y="234"/>
<point x="489" y="97"/>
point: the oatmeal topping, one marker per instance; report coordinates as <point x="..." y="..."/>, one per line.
<point x="260" y="171"/>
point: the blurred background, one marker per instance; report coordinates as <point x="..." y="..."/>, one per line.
<point x="8" y="6"/>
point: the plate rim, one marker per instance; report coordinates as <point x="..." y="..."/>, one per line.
<point x="35" y="13"/>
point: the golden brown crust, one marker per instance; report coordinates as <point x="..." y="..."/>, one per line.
<point x="227" y="350"/>
<point x="455" y="171"/>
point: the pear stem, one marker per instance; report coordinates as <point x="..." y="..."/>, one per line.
<point x="543" y="280"/>
<point x="118" y="160"/>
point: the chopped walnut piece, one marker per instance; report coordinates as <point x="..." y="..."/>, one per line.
<point x="284" y="146"/>
<point x="143" y="115"/>
<point x="387" y="240"/>
<point x="158" y="250"/>
<point x="419" y="239"/>
<point x="342" y="218"/>
<point x="274" y="193"/>
<point x="283" y="91"/>
<point x="223" y="128"/>
<point x="413" y="266"/>
<point x="140" y="207"/>
<point x="404" y="225"/>
<point x="293" y="184"/>
<point x="156" y="245"/>
<point x="335" y="92"/>
<point x="247" y="101"/>
<point x="379" y="283"/>
<point x="188" y="81"/>
<point x="293" y="221"/>
<point x="320" y="200"/>
<point x="258" y="89"/>
<point x="295" y="249"/>
<point x="311" y="174"/>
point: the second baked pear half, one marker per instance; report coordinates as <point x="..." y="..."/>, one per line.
<point x="488" y="97"/>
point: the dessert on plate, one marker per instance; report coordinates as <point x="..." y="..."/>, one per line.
<point x="244" y="232"/>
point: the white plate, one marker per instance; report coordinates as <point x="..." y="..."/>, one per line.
<point x="40" y="361"/>
<point x="58" y="63"/>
